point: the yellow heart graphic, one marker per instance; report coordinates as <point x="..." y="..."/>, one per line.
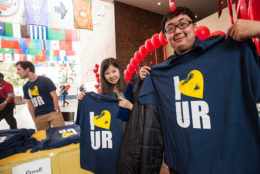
<point x="193" y="85"/>
<point x="103" y="120"/>
<point x="67" y="134"/>
<point x="34" y="91"/>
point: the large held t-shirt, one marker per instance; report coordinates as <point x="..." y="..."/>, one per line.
<point x="207" y="105"/>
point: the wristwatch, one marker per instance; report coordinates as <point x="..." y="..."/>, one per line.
<point x="57" y="110"/>
<point x="5" y="102"/>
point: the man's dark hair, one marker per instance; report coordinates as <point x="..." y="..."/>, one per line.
<point x="178" y="11"/>
<point x="1" y="75"/>
<point x="25" y="65"/>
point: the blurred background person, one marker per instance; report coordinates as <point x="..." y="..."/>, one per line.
<point x="7" y="102"/>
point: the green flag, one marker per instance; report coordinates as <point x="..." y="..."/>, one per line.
<point x="8" y="29"/>
<point x="6" y="51"/>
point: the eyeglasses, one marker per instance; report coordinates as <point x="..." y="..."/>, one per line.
<point x="182" y="25"/>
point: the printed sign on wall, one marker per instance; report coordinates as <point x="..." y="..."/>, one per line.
<point x="41" y="166"/>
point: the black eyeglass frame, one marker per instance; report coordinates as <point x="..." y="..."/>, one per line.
<point x="178" y="25"/>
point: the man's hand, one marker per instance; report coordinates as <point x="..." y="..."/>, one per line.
<point x="144" y="71"/>
<point x="81" y="95"/>
<point x="2" y="106"/>
<point x="244" y="29"/>
<point x="124" y="103"/>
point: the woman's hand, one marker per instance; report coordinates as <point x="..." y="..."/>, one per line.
<point x="124" y="103"/>
<point x="81" y="95"/>
<point x="144" y="71"/>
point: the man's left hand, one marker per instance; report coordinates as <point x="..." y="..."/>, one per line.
<point x="2" y="106"/>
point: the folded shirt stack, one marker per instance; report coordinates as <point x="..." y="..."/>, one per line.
<point x="58" y="137"/>
<point x="15" y="141"/>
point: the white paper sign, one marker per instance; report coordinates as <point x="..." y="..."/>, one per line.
<point x="42" y="166"/>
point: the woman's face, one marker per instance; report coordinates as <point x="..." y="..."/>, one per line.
<point x="112" y="74"/>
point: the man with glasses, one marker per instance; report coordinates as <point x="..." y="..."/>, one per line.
<point x="206" y="94"/>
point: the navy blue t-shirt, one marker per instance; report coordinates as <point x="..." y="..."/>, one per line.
<point x="101" y="133"/>
<point x="39" y="93"/>
<point x="207" y="105"/>
<point x="59" y="137"/>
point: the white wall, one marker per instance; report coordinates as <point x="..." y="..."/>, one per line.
<point x="217" y="24"/>
<point x="100" y="43"/>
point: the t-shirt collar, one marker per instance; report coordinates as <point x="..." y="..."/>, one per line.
<point x="197" y="44"/>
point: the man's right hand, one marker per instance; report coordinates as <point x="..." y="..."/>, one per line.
<point x="81" y="95"/>
<point x="144" y="71"/>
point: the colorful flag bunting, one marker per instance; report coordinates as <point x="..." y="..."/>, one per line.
<point x="10" y="44"/>
<point x="16" y="30"/>
<point x="37" y="32"/>
<point x="8" y="29"/>
<point x="24" y="31"/>
<point x="56" y="34"/>
<point x="65" y="45"/>
<point x="6" y="51"/>
<point x="2" y="29"/>
<point x="33" y="51"/>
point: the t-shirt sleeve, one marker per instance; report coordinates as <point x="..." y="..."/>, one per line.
<point x="25" y="92"/>
<point x="147" y="94"/>
<point x="50" y="85"/>
<point x="124" y="113"/>
<point x="9" y="88"/>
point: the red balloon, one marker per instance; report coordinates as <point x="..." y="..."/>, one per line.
<point x="130" y="68"/>
<point x="127" y="75"/>
<point x="134" y="62"/>
<point x="217" y="33"/>
<point x="95" y="70"/>
<point x="162" y="38"/>
<point x="172" y="6"/>
<point x="98" y="80"/>
<point x="155" y="41"/>
<point x="149" y="45"/>
<point x="143" y="51"/>
<point x="96" y="66"/>
<point x="202" y="32"/>
<point x="67" y="87"/>
<point x="97" y="86"/>
<point x="97" y="75"/>
<point x="138" y="57"/>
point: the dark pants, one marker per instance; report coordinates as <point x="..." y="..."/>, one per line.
<point x="8" y="114"/>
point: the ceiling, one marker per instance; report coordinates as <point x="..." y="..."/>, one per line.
<point x="201" y="8"/>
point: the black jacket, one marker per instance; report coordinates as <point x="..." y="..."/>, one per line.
<point x="141" y="151"/>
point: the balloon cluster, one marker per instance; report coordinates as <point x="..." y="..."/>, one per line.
<point x="149" y="46"/>
<point x="203" y="32"/>
<point x="95" y="70"/>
